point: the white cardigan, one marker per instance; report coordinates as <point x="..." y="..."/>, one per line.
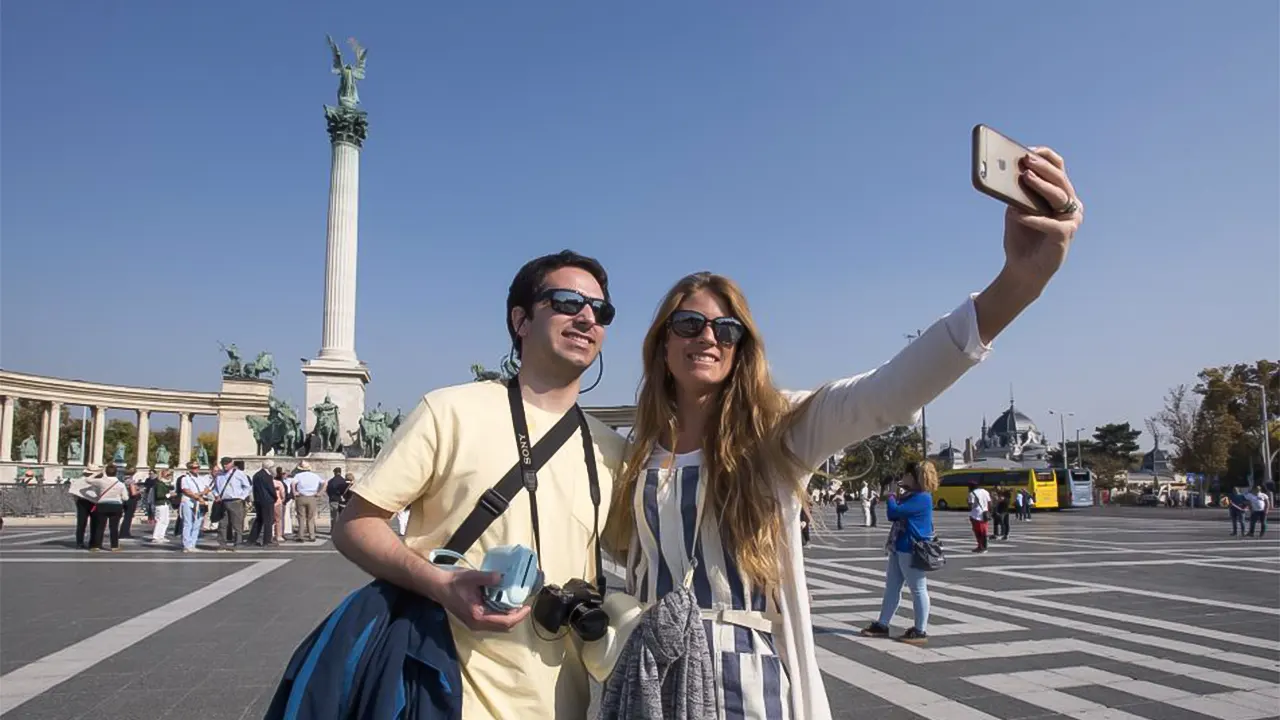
<point x="841" y="413"/>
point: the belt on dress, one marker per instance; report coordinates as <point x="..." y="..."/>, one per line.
<point x="753" y="619"/>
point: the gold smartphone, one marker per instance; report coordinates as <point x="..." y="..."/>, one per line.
<point x="997" y="171"/>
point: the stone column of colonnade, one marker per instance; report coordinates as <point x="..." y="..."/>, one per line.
<point x="99" y="436"/>
<point x="144" y="438"/>
<point x="6" y="427"/>
<point x="184" y="439"/>
<point x="49" y="443"/>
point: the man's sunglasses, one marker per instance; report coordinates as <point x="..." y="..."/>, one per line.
<point x="571" y="302"/>
<point x="690" y="323"/>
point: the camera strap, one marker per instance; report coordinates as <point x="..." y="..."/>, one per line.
<point x="524" y="474"/>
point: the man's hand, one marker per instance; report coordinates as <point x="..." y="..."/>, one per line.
<point x="365" y="538"/>
<point x="461" y="592"/>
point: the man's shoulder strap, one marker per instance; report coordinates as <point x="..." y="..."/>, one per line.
<point x="495" y="500"/>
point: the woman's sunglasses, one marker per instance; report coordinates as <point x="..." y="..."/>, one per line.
<point x="571" y="302"/>
<point x="690" y="323"/>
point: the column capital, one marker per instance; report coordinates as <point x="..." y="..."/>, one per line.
<point x="347" y="125"/>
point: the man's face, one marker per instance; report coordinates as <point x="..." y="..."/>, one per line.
<point x="555" y="339"/>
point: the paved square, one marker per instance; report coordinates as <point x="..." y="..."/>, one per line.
<point x="1117" y="614"/>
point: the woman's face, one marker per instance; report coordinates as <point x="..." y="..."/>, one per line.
<point x="908" y="482"/>
<point x="698" y="359"/>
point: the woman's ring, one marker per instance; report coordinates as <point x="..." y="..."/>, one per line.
<point x="1070" y="208"/>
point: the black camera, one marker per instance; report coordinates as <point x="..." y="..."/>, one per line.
<point x="578" y="604"/>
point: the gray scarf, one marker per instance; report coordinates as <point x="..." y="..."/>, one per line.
<point x="664" y="671"/>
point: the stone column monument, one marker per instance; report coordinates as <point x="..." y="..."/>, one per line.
<point x="336" y="375"/>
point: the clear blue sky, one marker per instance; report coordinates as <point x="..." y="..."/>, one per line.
<point x="165" y="172"/>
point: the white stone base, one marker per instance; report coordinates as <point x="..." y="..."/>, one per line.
<point x="240" y="398"/>
<point x="344" y="384"/>
<point x="321" y="463"/>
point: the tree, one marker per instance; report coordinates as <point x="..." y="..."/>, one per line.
<point x="1216" y="426"/>
<point x="891" y="452"/>
<point x="27" y="415"/>
<point x="1116" y="440"/>
<point x="1082" y="453"/>
<point x="120" y="431"/>
<point x="169" y="437"/>
<point x="1111" y="453"/>
<point x="1178" y="418"/>
<point x="1109" y="471"/>
<point x="209" y="441"/>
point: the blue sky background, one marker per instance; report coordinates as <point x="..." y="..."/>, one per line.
<point x="165" y="173"/>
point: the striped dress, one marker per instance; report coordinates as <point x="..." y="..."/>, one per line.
<point x="751" y="682"/>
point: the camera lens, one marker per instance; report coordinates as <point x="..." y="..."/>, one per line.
<point x="590" y="623"/>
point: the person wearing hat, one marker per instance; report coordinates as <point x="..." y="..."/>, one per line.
<point x="109" y="496"/>
<point x="307" y="487"/>
<point x="83" y="504"/>
<point x="194" y="489"/>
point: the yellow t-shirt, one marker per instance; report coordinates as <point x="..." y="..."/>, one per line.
<point x="455" y="445"/>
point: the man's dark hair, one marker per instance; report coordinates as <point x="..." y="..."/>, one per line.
<point x="529" y="282"/>
<point x="337" y="471"/>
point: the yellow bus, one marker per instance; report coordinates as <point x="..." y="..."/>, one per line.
<point x="953" y="486"/>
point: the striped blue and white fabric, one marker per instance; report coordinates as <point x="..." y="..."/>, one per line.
<point x="751" y="683"/>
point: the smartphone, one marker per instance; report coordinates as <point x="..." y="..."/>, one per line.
<point x="996" y="171"/>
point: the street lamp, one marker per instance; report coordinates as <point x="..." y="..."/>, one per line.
<point x="1062" y="426"/>
<point x="1266" y="438"/>
<point x="1079" y="455"/>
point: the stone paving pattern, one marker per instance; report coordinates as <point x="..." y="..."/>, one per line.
<point x="1087" y="614"/>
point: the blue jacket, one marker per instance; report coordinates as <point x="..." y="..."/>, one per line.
<point x="384" y="654"/>
<point x="916" y="511"/>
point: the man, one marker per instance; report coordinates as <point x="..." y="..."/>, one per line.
<point x="454" y="447"/>
<point x="306" y="495"/>
<point x="336" y="488"/>
<point x="1259" y="504"/>
<point x="131" y="504"/>
<point x="264" y="507"/>
<point x="979" y="507"/>
<point x="232" y="487"/>
<point x="1238" y="507"/>
<point x="149" y="495"/>
<point x="193" y="487"/>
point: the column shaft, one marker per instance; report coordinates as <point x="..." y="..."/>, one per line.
<point x="99" y="436"/>
<point x="6" y="427"/>
<point x="339" y="339"/>
<point x="184" y="439"/>
<point x="144" y="438"/>
<point x="55" y="433"/>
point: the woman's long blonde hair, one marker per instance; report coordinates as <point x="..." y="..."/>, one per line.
<point x="744" y="450"/>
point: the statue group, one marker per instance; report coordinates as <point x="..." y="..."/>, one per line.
<point x="376" y="428"/>
<point x="279" y="432"/>
<point x="262" y="367"/>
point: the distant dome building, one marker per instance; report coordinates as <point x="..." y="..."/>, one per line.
<point x="1012" y="437"/>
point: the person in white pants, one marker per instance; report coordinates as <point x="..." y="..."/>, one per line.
<point x="160" y="533"/>
<point x="865" y="495"/>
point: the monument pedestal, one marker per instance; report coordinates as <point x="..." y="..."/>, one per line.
<point x="240" y="398"/>
<point x="343" y="382"/>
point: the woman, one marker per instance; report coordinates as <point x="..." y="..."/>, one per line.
<point x="912" y="515"/>
<point x="715" y="479"/>
<point x="160" y="491"/>
<point x="110" y="496"/>
<point x="283" y="525"/>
